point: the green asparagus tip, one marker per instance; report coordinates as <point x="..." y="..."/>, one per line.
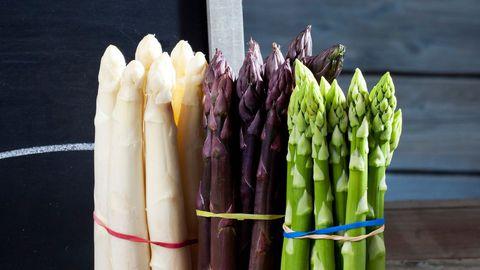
<point x="324" y="87"/>
<point x="383" y="104"/>
<point x="339" y="51"/>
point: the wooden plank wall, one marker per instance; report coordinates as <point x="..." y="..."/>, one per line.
<point x="432" y="51"/>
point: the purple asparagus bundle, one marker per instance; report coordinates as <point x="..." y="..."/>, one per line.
<point x="252" y="92"/>
<point x="221" y="123"/>
<point x="266" y="236"/>
<point x="328" y="63"/>
<point x="301" y="46"/>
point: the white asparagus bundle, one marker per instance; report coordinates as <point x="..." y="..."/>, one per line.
<point x="190" y="142"/>
<point x="181" y="55"/>
<point x="165" y="206"/>
<point x="126" y="181"/>
<point x="112" y="65"/>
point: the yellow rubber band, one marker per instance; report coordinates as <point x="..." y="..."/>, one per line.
<point x="238" y="216"/>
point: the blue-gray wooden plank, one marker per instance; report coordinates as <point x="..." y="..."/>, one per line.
<point x="422" y="36"/>
<point x="441" y="122"/>
<point x="405" y="187"/>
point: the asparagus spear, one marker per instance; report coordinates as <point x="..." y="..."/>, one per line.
<point x="273" y="61"/>
<point x="112" y="65"/>
<point x="384" y="120"/>
<point x="354" y="253"/>
<point x="163" y="183"/>
<point x="298" y="250"/>
<point x="337" y="124"/>
<point x="148" y="49"/>
<point x="190" y="138"/>
<point x="266" y="235"/>
<point x="323" y="250"/>
<point x="215" y="69"/>
<point x="337" y="121"/>
<point x="301" y="46"/>
<point x="126" y="182"/>
<point x="254" y="48"/>
<point x="222" y="193"/>
<point x="291" y="149"/>
<point x="182" y="53"/>
<point x="328" y="63"/>
<point x="251" y="92"/>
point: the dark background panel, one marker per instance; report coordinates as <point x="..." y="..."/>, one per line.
<point x="46" y="211"/>
<point x="49" y="57"/>
<point x="50" y="52"/>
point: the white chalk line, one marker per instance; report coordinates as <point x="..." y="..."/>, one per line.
<point x="47" y="149"/>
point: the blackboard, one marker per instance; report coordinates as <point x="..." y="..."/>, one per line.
<point x="49" y="57"/>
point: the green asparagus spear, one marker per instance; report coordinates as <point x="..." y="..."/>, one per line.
<point x="323" y="250"/>
<point x="298" y="250"/>
<point x="382" y="137"/>
<point x="354" y="253"/>
<point x="337" y="134"/>
<point x="337" y="124"/>
<point x="292" y="107"/>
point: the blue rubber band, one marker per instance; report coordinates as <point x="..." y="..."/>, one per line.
<point x="330" y="230"/>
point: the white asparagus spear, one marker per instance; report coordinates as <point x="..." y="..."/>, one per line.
<point x="165" y="206"/>
<point x="181" y="55"/>
<point x="148" y="49"/>
<point x="112" y="65"/>
<point x="126" y="182"/>
<point x="190" y="142"/>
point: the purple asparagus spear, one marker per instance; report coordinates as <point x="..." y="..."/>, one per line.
<point x="266" y="236"/>
<point x="222" y="188"/>
<point x="251" y="92"/>
<point x="301" y="46"/>
<point x="217" y="67"/>
<point x="328" y="63"/>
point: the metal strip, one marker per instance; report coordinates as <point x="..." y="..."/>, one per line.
<point x="225" y="30"/>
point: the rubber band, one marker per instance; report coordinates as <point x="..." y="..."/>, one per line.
<point x="326" y="233"/>
<point x="238" y="216"/>
<point x="137" y="239"/>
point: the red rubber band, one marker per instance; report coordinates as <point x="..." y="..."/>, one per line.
<point x="137" y="239"/>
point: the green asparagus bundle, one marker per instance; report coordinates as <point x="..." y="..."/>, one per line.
<point x="328" y="63"/>
<point x="251" y="92"/>
<point x="354" y="253"/>
<point x="386" y="125"/>
<point x="271" y="170"/>
<point x="215" y="69"/>
<point x="299" y="200"/>
<point x="323" y="250"/>
<point x="222" y="189"/>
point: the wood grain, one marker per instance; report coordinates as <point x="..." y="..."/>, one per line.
<point x="464" y="264"/>
<point x="427" y="36"/>
<point x="441" y="122"/>
<point x="429" y="230"/>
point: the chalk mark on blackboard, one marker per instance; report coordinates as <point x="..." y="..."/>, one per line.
<point x="47" y="149"/>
